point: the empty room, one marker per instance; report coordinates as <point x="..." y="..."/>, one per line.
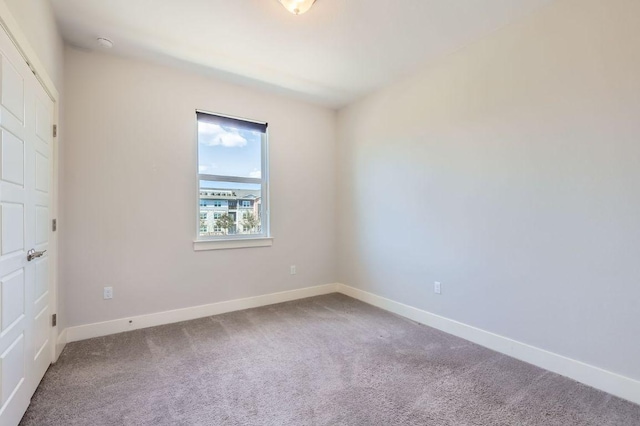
<point x="319" y="212"/>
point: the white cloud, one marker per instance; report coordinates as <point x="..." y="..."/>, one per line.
<point x="215" y="135"/>
<point x="255" y="174"/>
<point x="207" y="169"/>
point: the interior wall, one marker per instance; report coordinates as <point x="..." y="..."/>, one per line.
<point x="130" y="191"/>
<point x="508" y="172"/>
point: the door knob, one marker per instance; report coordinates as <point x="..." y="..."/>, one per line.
<point x="32" y="254"/>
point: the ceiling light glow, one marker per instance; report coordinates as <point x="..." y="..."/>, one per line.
<point x="297" y="7"/>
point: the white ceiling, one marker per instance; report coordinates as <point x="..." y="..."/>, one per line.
<point x="337" y="52"/>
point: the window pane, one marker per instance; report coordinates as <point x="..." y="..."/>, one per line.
<point x="227" y="151"/>
<point x="228" y="208"/>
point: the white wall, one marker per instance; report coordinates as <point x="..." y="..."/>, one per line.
<point x="130" y="191"/>
<point x="508" y="171"/>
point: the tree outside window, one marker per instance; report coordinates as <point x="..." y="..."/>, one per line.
<point x="250" y="222"/>
<point x="226" y="223"/>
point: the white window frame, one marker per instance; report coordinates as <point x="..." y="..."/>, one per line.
<point x="262" y="239"/>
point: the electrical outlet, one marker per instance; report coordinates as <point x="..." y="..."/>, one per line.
<point x="108" y="293"/>
<point x="292" y="270"/>
<point x="436" y="288"/>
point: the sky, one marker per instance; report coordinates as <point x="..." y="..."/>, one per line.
<point x="228" y="151"/>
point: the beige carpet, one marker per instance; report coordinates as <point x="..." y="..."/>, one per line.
<point x="327" y="360"/>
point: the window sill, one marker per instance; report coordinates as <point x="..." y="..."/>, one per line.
<point x="201" y="245"/>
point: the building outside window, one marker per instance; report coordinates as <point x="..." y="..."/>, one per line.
<point x="232" y="175"/>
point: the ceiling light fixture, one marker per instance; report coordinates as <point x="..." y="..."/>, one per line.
<point x="297" y="7"/>
<point x="105" y="43"/>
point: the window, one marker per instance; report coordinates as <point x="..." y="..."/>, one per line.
<point x="233" y="164"/>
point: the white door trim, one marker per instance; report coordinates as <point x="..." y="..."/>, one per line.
<point x="9" y="23"/>
<point x="19" y="39"/>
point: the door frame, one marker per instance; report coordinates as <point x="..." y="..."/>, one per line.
<point x="19" y="39"/>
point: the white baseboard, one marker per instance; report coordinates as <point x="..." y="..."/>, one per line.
<point x="88" y="331"/>
<point x="615" y="384"/>
<point x="61" y="341"/>
<point x="607" y="381"/>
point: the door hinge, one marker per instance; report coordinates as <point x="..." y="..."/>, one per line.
<point x="55" y="130"/>
<point x="54" y="320"/>
<point x="54" y="225"/>
<point x="32" y="69"/>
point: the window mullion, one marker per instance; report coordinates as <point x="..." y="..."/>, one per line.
<point x="235" y="179"/>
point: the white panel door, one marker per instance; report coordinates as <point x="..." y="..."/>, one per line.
<point x="38" y="214"/>
<point x="26" y="114"/>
